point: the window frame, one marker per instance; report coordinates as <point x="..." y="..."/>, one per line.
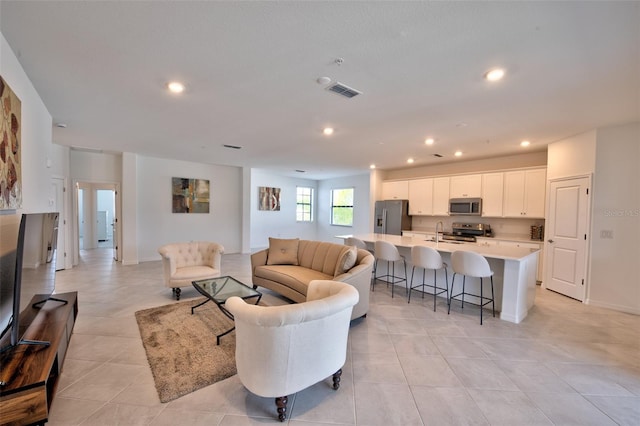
<point x="310" y="204"/>
<point x="334" y="206"/>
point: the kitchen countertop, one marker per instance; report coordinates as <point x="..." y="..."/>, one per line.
<point x="495" y="252"/>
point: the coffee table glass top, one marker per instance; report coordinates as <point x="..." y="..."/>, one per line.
<point x="221" y="288"/>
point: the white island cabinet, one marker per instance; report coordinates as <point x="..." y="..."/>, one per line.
<point x="514" y="269"/>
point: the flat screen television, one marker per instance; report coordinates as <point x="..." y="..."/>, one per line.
<point x="28" y="246"/>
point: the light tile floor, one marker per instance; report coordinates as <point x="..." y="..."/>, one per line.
<point x="566" y="364"/>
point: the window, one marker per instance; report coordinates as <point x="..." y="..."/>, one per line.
<point x="304" y="204"/>
<point x="342" y="207"/>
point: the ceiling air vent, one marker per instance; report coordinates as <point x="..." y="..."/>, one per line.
<point x="343" y="90"/>
<point x="232" y="146"/>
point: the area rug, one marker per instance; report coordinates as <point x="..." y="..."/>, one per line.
<point x="181" y="348"/>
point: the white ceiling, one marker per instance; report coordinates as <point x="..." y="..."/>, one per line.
<point x="251" y="70"/>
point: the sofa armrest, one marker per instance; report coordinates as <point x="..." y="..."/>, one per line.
<point x="259" y="258"/>
<point x="360" y="277"/>
<point x="168" y="262"/>
<point x="216" y="260"/>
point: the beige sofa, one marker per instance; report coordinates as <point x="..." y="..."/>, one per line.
<point x="288" y="266"/>
<point x="183" y="263"/>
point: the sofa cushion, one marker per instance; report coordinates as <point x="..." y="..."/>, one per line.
<point x="346" y="260"/>
<point x="283" y="252"/>
<point x="319" y="256"/>
<point x="294" y="277"/>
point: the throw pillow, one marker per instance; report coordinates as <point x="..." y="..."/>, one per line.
<point x="283" y="252"/>
<point x="346" y="260"/>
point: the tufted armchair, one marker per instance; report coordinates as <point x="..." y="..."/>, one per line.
<point x="186" y="262"/>
<point x="281" y="350"/>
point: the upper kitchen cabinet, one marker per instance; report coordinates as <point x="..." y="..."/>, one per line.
<point x="395" y="190"/>
<point x="421" y="197"/>
<point x="524" y="193"/>
<point x="465" y="186"/>
<point x="441" y="196"/>
<point x="492" y="194"/>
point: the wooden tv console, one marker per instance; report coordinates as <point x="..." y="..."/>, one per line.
<point x="30" y="372"/>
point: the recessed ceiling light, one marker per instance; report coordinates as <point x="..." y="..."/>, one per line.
<point x="458" y="153"/>
<point x="429" y="141"/>
<point x="525" y="143"/>
<point x="410" y="160"/>
<point x="328" y="131"/>
<point x="175" y="87"/>
<point x="494" y="74"/>
<point x="61" y="125"/>
<point x="373" y="166"/>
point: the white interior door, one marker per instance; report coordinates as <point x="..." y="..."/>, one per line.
<point x="57" y="205"/>
<point x="566" y="245"/>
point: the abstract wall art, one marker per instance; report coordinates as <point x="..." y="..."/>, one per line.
<point x="268" y="198"/>
<point x="10" y="147"/>
<point x="190" y="195"/>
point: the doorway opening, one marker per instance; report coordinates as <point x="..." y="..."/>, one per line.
<point x="97" y="211"/>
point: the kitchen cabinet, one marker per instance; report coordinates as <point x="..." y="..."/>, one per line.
<point x="465" y="186"/>
<point x="441" y="196"/>
<point x="395" y="190"/>
<point x="524" y="193"/>
<point x="529" y="245"/>
<point x="421" y="197"/>
<point x="492" y="194"/>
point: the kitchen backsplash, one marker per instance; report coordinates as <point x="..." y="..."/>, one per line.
<point x="501" y="227"/>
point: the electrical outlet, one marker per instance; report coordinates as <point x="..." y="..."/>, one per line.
<point x="606" y="233"/>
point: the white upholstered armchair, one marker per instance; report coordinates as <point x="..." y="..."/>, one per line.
<point x="183" y="263"/>
<point x="281" y="350"/>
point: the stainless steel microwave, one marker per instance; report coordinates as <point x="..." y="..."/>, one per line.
<point x="465" y="206"/>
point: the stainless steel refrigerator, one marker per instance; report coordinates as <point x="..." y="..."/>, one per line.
<point x="392" y="217"/>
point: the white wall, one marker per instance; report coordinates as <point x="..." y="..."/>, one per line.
<point x="157" y="225"/>
<point x="278" y="224"/>
<point x="616" y="207"/>
<point x="36" y="131"/>
<point x="362" y="202"/>
<point x="529" y="159"/>
<point x="574" y="156"/>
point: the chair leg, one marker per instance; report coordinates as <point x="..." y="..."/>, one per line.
<point x="393" y="276"/>
<point x="464" y="279"/>
<point x="453" y="280"/>
<point x="281" y="403"/>
<point x="435" y="289"/>
<point x="373" y="281"/>
<point x="413" y="269"/>
<point x="336" y="379"/>
<point x="446" y="281"/>
<point x="493" y="303"/>
<point x="406" y="281"/>
<point x="481" y="300"/>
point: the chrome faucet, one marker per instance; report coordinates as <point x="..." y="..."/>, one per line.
<point x="442" y="226"/>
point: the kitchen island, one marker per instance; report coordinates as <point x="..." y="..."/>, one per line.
<point x="514" y="269"/>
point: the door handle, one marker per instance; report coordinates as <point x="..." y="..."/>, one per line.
<point x="551" y="241"/>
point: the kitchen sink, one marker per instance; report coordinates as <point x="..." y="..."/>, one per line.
<point x="446" y="241"/>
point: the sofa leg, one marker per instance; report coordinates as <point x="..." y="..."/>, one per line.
<point x="177" y="291"/>
<point x="336" y="379"/>
<point x="281" y="403"/>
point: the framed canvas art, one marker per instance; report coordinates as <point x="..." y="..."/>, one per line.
<point x="268" y="198"/>
<point x="10" y="148"/>
<point x="190" y="195"/>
